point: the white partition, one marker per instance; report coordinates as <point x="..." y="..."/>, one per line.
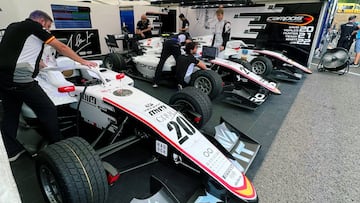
<point x="105" y="18"/>
<point x="8" y="188"/>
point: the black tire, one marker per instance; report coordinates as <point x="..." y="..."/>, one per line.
<point x="262" y="65"/>
<point x="115" y="62"/>
<point x="71" y="171"/>
<point x="244" y="63"/>
<point x="191" y="99"/>
<point x="208" y="82"/>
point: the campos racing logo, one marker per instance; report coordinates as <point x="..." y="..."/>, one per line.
<point x="297" y="19"/>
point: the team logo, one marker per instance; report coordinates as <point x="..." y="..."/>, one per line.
<point x="297" y="19"/>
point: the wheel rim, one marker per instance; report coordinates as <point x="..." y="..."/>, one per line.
<point x="259" y="67"/>
<point x="109" y="64"/>
<point x="182" y="106"/>
<point x="50" y="185"/>
<point x="203" y="84"/>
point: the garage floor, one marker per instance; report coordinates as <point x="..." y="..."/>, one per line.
<point x="310" y="146"/>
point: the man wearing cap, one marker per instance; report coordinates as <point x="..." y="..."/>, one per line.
<point x="171" y="46"/>
<point x="347" y="33"/>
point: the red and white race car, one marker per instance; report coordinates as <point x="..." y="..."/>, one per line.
<point x="74" y="170"/>
<point x="240" y="86"/>
<point x="263" y="62"/>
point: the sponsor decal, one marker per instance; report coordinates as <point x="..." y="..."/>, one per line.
<point x="166" y="116"/>
<point x="297" y="19"/>
<point x="161" y="148"/>
<point x="157" y="110"/>
<point x="149" y="105"/>
<point x="89" y="99"/>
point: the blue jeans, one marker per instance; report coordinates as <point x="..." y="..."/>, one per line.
<point x="357" y="46"/>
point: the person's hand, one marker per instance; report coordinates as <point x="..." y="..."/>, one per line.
<point x="142" y="35"/>
<point x="89" y="64"/>
<point x="221" y="48"/>
<point x="42" y="64"/>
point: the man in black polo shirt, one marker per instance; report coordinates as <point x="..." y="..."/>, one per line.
<point x="20" y="56"/>
<point x="347" y="33"/>
<point x="185" y="64"/>
<point x="143" y="27"/>
<point x="185" y="23"/>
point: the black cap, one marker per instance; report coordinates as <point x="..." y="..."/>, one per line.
<point x="352" y="18"/>
<point x="181" y="15"/>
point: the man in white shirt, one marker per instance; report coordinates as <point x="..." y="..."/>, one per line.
<point x="222" y="30"/>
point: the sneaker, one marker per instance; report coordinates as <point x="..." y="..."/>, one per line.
<point x="352" y="65"/>
<point x="16" y="156"/>
<point x="180" y="87"/>
<point x="155" y="85"/>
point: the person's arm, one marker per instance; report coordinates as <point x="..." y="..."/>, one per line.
<point x="225" y="35"/>
<point x="138" y="30"/>
<point x="148" y="27"/>
<point x="67" y="51"/>
<point x="201" y="65"/>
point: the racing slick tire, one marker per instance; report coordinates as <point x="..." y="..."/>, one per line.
<point x="244" y="63"/>
<point x="115" y="62"/>
<point x="191" y="99"/>
<point x="261" y="65"/>
<point x="71" y="171"/>
<point x="208" y="81"/>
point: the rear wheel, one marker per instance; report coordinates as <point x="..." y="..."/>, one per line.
<point x="71" y="171"/>
<point x="262" y="65"/>
<point x="115" y="62"/>
<point x="208" y="82"/>
<point x="194" y="104"/>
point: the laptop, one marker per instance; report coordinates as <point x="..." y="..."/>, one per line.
<point x="209" y="52"/>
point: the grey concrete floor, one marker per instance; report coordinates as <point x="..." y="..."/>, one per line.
<point x="315" y="154"/>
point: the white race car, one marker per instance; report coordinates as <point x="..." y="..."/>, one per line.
<point x="263" y="62"/>
<point x="74" y="171"/>
<point x="241" y="87"/>
<point x="142" y="66"/>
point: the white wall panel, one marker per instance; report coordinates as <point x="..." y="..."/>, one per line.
<point x="105" y="18"/>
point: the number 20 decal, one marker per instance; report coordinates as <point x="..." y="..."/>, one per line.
<point x="179" y="124"/>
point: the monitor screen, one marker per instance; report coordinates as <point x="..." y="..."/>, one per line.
<point x="209" y="52"/>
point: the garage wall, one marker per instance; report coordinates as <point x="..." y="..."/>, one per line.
<point x="105" y="18"/>
<point x="202" y="21"/>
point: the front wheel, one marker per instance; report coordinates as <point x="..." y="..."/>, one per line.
<point x="262" y="65"/>
<point x="208" y="81"/>
<point x="115" y="62"/>
<point x="193" y="104"/>
<point x="70" y="171"/>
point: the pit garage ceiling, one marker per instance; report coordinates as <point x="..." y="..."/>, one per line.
<point x="159" y="2"/>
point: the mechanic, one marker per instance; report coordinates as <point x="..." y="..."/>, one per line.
<point x="185" y="23"/>
<point x="347" y="33"/>
<point x="222" y="30"/>
<point x="143" y="27"/>
<point x="20" y="52"/>
<point x="185" y="64"/>
<point x="171" y="47"/>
